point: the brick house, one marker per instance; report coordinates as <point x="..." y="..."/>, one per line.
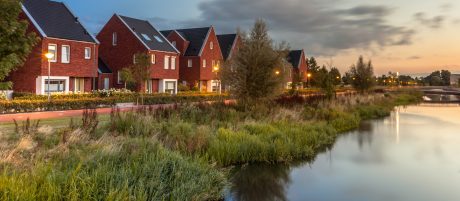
<point x="105" y="76"/>
<point x="123" y="37"/>
<point x="75" y="50"/>
<point x="200" y="54"/>
<point x="299" y="70"/>
<point x="229" y="44"/>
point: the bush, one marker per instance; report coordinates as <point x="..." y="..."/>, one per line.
<point x="55" y="105"/>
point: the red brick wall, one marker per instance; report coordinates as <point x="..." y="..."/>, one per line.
<point x="181" y="44"/>
<point x="303" y="68"/>
<point x="121" y="56"/>
<point x="24" y="78"/>
<point x="100" y="80"/>
<point x="208" y="54"/>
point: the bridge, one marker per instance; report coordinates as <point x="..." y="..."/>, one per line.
<point x="441" y="94"/>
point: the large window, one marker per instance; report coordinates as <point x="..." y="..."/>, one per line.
<point x="170" y="87"/>
<point x="65" y="54"/>
<point x="87" y="53"/>
<point x="173" y="63"/>
<point x="52" y="48"/>
<point x="79" y="85"/>
<point x="166" y="62"/>
<point x="215" y="86"/>
<point x="55" y="86"/>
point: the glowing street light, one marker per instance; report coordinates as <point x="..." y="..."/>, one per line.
<point x="49" y="56"/>
<point x="277" y="72"/>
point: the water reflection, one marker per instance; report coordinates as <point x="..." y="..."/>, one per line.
<point x="409" y="156"/>
<point x="261" y="182"/>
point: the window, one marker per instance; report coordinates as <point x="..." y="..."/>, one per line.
<point x="148" y="86"/>
<point x="146" y="37"/>
<point x="173" y="63"/>
<point x="79" y="85"/>
<point x="211" y="45"/>
<point x="54" y="86"/>
<point x="65" y="57"/>
<point x="174" y="43"/>
<point x="119" y="80"/>
<point x="106" y="83"/>
<point x="52" y="49"/>
<point x="153" y="58"/>
<point x="215" y="86"/>
<point x="134" y="59"/>
<point x="204" y="63"/>
<point x="87" y="53"/>
<point x="189" y="63"/>
<point x="166" y="62"/>
<point x="158" y="39"/>
<point x="170" y="87"/>
<point x="114" y="39"/>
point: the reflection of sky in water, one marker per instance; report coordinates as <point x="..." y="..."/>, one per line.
<point x="416" y="159"/>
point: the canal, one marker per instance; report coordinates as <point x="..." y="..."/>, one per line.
<point x="413" y="155"/>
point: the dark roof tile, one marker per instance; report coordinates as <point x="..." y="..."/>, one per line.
<point x="102" y="67"/>
<point x="226" y="42"/>
<point x="294" y="57"/>
<point x="196" y="37"/>
<point x="57" y="21"/>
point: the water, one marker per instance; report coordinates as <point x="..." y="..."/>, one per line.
<point x="414" y="155"/>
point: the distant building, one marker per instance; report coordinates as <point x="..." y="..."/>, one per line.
<point x="454" y="79"/>
<point x="298" y="73"/>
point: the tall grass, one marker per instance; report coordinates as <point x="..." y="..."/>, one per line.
<point x="139" y="170"/>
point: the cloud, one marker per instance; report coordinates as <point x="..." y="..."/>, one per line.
<point x="311" y="24"/>
<point x="435" y="22"/>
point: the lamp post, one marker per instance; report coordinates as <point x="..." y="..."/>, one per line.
<point x="49" y="56"/>
<point x="216" y="70"/>
<point x="308" y="79"/>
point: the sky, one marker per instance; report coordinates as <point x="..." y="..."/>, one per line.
<point x="410" y="37"/>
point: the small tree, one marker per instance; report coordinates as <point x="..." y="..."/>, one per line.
<point x="140" y="72"/>
<point x="313" y="69"/>
<point x="335" y="75"/>
<point x="362" y="75"/>
<point x="15" y="42"/>
<point x="326" y="82"/>
<point x="255" y="73"/>
<point x="127" y="76"/>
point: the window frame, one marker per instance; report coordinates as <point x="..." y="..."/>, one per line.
<point x="173" y="63"/>
<point x="81" y="84"/>
<point x="119" y="81"/>
<point x="89" y="52"/>
<point x="204" y="63"/>
<point x="211" y="45"/>
<point x="54" y="59"/>
<point x="67" y="55"/>
<point x="189" y="63"/>
<point x="153" y="59"/>
<point x="166" y="62"/>
<point x="114" y="39"/>
<point x="63" y="84"/>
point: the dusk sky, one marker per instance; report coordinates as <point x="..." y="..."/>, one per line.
<point x="409" y="36"/>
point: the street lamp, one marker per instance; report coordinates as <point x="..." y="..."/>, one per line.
<point x="308" y="79"/>
<point x="49" y="56"/>
<point x="277" y="72"/>
<point x="216" y="70"/>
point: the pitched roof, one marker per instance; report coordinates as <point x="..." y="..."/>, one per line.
<point x="196" y="37"/>
<point x="294" y="57"/>
<point x="226" y="42"/>
<point x="54" y="19"/>
<point x="102" y="67"/>
<point x="148" y="34"/>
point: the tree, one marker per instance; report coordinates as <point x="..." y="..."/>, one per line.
<point x="362" y="75"/>
<point x="445" y="76"/>
<point x="256" y="72"/>
<point x="313" y="69"/>
<point x="335" y="74"/>
<point x="15" y="42"/>
<point x="127" y="76"/>
<point x="140" y="72"/>
<point x="326" y="82"/>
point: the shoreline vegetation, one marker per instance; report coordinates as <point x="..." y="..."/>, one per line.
<point x="179" y="153"/>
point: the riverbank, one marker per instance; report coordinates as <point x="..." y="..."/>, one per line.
<point x="180" y="153"/>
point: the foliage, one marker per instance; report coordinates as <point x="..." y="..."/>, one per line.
<point x="334" y="73"/>
<point x="256" y="72"/>
<point x="362" y="75"/>
<point x="325" y="82"/>
<point x="127" y="77"/>
<point x="438" y="78"/>
<point x="313" y="69"/>
<point x="15" y="42"/>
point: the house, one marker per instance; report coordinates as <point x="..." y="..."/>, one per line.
<point x="200" y="58"/>
<point x="229" y="44"/>
<point x="298" y="73"/>
<point x="124" y="37"/>
<point x="73" y="67"/>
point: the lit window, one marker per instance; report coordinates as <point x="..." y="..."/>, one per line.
<point x="54" y="86"/>
<point x="166" y="62"/>
<point x="204" y="63"/>
<point x="173" y="63"/>
<point x="52" y="49"/>
<point x="146" y="37"/>
<point x="158" y="39"/>
<point x="153" y="58"/>
<point x="211" y="45"/>
<point x="87" y="53"/>
<point x="114" y="39"/>
<point x="65" y="54"/>
<point x="189" y="63"/>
